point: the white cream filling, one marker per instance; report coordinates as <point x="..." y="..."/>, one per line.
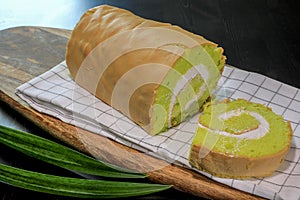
<point x="257" y="133"/>
<point x="182" y="83"/>
<point x="192" y="101"/>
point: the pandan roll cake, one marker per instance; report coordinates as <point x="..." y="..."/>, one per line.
<point x="155" y="73"/>
<point x="240" y="139"/>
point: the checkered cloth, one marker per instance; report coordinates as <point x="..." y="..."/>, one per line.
<point x="56" y="94"/>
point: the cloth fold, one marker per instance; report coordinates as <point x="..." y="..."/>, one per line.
<point x="56" y="94"/>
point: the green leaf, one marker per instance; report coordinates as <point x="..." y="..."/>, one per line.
<point x="75" y="187"/>
<point x="60" y="155"/>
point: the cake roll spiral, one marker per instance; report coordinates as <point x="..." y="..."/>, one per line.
<point x="240" y="139"/>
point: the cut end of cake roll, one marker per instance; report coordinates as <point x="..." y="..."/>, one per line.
<point x="156" y="74"/>
<point x="240" y="139"/>
<point x="187" y="86"/>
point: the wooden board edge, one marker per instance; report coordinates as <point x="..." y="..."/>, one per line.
<point x="57" y="31"/>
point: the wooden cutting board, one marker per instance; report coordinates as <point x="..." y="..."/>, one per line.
<point x="26" y="52"/>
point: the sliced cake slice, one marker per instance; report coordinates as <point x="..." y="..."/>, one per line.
<point x="157" y="74"/>
<point x="240" y="139"/>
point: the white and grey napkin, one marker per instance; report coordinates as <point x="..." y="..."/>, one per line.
<point x="56" y="94"/>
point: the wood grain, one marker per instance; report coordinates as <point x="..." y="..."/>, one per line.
<point x="26" y="52"/>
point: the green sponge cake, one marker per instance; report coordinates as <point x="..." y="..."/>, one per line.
<point x="239" y="139"/>
<point x="155" y="73"/>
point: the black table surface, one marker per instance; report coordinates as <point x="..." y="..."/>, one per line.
<point x="257" y="35"/>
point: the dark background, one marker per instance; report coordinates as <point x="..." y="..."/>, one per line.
<point x="257" y="35"/>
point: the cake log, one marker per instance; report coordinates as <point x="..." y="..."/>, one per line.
<point x="157" y="74"/>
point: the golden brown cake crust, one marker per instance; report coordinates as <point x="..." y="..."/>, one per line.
<point x="102" y="22"/>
